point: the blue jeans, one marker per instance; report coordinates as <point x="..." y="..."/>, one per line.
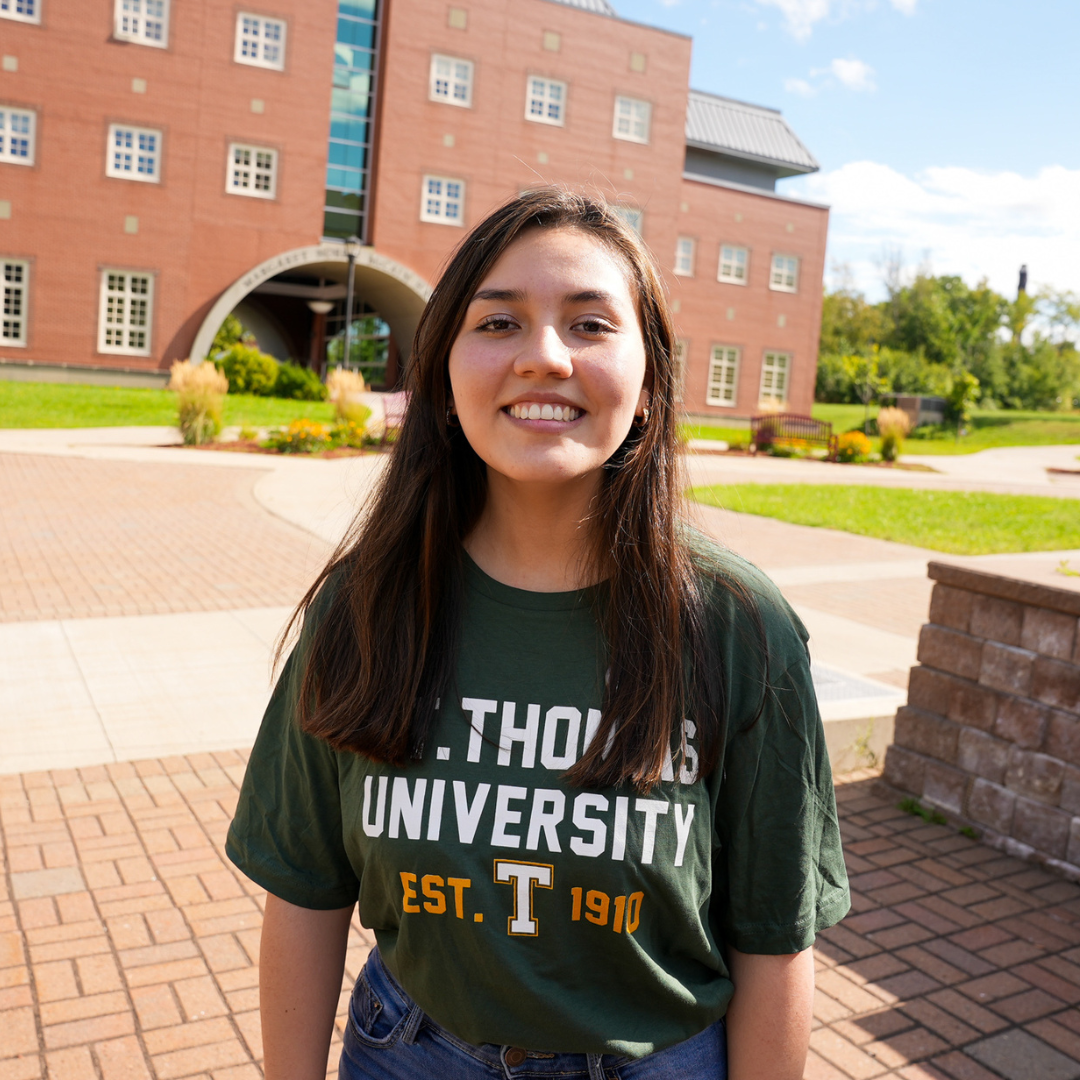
<point x="389" y="1038"/>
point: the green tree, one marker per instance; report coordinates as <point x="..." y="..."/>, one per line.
<point x="851" y="325"/>
<point x="932" y="331"/>
<point x="960" y="399"/>
<point x="231" y="332"/>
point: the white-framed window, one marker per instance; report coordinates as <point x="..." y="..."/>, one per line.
<point x="252" y="171"/>
<point x="451" y="81"/>
<point x="681" y="348"/>
<point x="260" y="41"/>
<point x="16" y="275"/>
<point x="442" y="200"/>
<point x="775" y="371"/>
<point x="134" y="153"/>
<point x="631" y="215"/>
<point x="684" y="256"/>
<point x="126" y="311"/>
<point x="545" y="101"/>
<point x="21" y="10"/>
<point x="17" y="135"/>
<point x="784" y="276"/>
<point x="145" y="22"/>
<point x="734" y="262"/>
<point x="723" y="386"/>
<point x="632" y="119"/>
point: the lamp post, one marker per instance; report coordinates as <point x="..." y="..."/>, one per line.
<point x="320" y="309"/>
<point x="352" y="249"/>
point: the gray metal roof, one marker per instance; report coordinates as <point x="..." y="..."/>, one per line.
<point x="598" y="7"/>
<point x="747" y="131"/>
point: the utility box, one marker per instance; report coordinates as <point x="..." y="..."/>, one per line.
<point x="922" y="409"/>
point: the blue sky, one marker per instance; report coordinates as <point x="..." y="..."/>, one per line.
<point x="947" y="129"/>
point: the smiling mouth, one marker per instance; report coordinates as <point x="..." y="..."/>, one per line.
<point x="533" y="410"/>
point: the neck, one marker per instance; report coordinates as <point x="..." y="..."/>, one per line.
<point x="535" y="536"/>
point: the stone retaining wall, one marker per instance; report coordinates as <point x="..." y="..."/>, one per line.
<point x="991" y="731"/>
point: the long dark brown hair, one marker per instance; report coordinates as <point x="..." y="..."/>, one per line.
<point x="382" y="651"/>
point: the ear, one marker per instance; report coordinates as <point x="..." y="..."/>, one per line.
<point x="643" y="401"/>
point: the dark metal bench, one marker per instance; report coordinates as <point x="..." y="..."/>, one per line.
<point x="784" y="427"/>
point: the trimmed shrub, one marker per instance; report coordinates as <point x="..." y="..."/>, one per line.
<point x="200" y="392"/>
<point x="249" y="370"/>
<point x="298" y="383"/>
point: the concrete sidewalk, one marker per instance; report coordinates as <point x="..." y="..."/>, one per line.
<point x="214" y="578"/>
<point x="150" y="584"/>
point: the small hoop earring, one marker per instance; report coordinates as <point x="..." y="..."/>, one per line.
<point x="451" y="418"/>
<point x="643" y="419"/>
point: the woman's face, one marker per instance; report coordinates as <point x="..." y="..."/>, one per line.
<point x="548" y="369"/>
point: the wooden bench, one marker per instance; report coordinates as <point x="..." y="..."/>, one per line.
<point x="785" y="427"/>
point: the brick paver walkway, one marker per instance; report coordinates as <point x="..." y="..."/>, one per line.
<point x="129" y="944"/>
<point x="82" y="538"/>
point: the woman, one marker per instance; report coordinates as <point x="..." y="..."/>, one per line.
<point x="564" y="753"/>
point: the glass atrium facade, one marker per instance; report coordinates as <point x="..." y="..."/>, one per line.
<point x="352" y="120"/>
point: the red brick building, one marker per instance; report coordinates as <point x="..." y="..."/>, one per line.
<point x="165" y="162"/>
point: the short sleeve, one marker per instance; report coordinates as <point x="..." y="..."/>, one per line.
<point x="780" y="864"/>
<point x="287" y="832"/>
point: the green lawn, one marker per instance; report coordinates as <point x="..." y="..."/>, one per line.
<point x="1003" y="428"/>
<point x="59" y="405"/>
<point x="989" y="428"/>
<point x="961" y="523"/>
<point x="732" y="436"/>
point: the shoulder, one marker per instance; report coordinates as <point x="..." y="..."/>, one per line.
<point x="739" y="594"/>
<point x="326" y="604"/>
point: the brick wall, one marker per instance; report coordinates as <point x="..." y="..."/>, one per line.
<point x="991" y="731"/>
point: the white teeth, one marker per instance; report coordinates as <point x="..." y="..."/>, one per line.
<point x="535" y="411"/>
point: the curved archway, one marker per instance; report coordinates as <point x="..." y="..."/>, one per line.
<point x="397" y="292"/>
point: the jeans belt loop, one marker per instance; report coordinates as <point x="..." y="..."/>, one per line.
<point x="596" y="1068"/>
<point x="413" y="1023"/>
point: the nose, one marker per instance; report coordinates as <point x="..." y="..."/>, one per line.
<point x="544" y="353"/>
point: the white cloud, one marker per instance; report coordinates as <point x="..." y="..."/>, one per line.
<point x="976" y="224"/>
<point x="800" y="87"/>
<point x="800" y="15"/>
<point x="854" y="74"/>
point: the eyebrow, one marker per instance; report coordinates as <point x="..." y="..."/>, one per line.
<point x="516" y="296"/>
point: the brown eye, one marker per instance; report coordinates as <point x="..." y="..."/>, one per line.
<point x="592" y="326"/>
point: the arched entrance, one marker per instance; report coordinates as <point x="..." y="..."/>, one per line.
<point x="288" y="289"/>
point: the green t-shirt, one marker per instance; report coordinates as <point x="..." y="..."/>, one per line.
<point x="516" y="909"/>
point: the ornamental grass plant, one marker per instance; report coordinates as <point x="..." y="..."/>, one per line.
<point x="343" y="389"/>
<point x="894" y="425"/>
<point x="200" y="393"/>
